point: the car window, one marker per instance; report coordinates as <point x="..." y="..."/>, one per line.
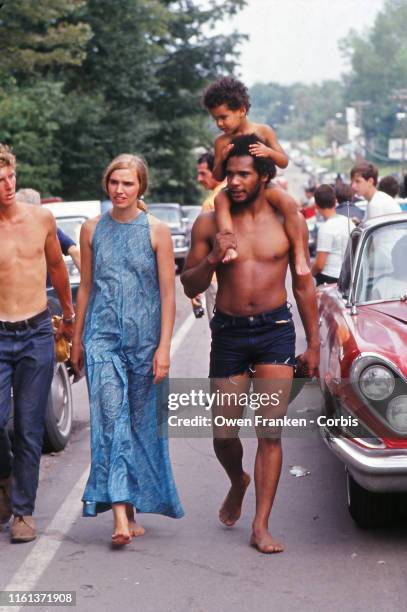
<point x="192" y="213"/>
<point x="166" y="214"/>
<point x="383" y="267"/>
<point x="71" y="226"/>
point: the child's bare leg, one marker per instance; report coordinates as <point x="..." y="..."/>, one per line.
<point x="224" y="221"/>
<point x="292" y="224"/>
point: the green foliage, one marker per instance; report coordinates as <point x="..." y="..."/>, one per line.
<point x="378" y="69"/>
<point x="92" y="79"/>
<point x="297" y="111"/>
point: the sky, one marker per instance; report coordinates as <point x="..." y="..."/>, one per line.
<point x="297" y="40"/>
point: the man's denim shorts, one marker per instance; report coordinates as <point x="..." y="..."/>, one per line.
<point x="241" y="343"/>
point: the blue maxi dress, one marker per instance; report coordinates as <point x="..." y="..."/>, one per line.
<point x="130" y="461"/>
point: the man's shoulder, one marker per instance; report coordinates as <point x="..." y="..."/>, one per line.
<point x="36" y="214"/>
<point x="205" y="224"/>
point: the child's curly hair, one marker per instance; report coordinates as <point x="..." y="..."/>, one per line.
<point x="226" y="90"/>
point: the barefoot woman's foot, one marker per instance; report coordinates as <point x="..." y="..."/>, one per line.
<point x="232" y="506"/>
<point x="134" y="527"/>
<point x="121" y="537"/>
<point x="264" y="543"/>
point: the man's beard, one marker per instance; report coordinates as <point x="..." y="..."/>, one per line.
<point x="250" y="198"/>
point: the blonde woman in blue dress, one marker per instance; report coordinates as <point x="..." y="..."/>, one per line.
<point x="125" y="318"/>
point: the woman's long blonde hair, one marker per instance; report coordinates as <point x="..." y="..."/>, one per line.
<point x="127" y="161"/>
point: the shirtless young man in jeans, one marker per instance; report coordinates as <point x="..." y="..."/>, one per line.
<point x="252" y="329"/>
<point x="29" y="246"/>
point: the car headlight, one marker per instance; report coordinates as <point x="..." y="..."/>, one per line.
<point x="377" y="382"/>
<point x="396" y="414"/>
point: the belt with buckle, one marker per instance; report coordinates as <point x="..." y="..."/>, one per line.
<point x="25" y="323"/>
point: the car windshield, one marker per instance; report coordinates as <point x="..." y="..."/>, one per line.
<point x="383" y="268"/>
<point x="71" y="226"/>
<point x="192" y="213"/>
<point x="168" y="214"/>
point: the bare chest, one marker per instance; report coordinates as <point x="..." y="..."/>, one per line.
<point x="262" y="241"/>
<point x="21" y="245"/>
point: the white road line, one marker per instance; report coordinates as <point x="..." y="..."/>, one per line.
<point x="46" y="547"/>
<point x="181" y="333"/>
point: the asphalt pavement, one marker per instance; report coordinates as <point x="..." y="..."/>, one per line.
<point x="195" y="564"/>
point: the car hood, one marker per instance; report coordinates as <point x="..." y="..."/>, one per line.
<point x="382" y="328"/>
<point x="395" y="310"/>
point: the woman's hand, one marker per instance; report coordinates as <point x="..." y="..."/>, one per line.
<point x="76" y="357"/>
<point x="161" y="363"/>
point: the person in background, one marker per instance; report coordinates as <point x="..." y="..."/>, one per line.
<point x="390" y="185"/>
<point x="344" y="206"/>
<point x="364" y="182"/>
<point x="333" y="237"/>
<point x="205" y="178"/>
<point x="308" y="205"/>
<point x="68" y="246"/>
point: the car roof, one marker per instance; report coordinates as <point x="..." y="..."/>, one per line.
<point x="84" y="208"/>
<point x="384" y="220"/>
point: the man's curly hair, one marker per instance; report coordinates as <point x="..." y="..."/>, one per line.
<point x="226" y="90"/>
<point x="264" y="166"/>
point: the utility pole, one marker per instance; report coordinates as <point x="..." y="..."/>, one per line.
<point x="359" y="105"/>
<point x="400" y="96"/>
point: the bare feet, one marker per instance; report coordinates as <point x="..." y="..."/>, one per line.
<point x="230" y="255"/>
<point x="135" y="528"/>
<point x="121" y="537"/>
<point x="121" y="533"/>
<point x="301" y="265"/>
<point x="231" y="508"/>
<point x="264" y="543"/>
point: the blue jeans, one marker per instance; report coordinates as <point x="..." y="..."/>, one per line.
<point x="27" y="367"/>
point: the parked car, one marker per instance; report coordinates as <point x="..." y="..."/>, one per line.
<point x="59" y="414"/>
<point x="69" y="217"/>
<point x="190" y="212"/>
<point x="363" y="369"/>
<point x="171" y="214"/>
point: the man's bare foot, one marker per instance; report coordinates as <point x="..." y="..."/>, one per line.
<point x="231" y="508"/>
<point x="135" y="528"/>
<point x="230" y="255"/>
<point x="264" y="543"/>
<point x="301" y="265"/>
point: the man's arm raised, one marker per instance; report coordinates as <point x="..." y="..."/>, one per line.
<point x="202" y="260"/>
<point x="304" y="293"/>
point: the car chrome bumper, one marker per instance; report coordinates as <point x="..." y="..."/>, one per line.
<point x="382" y="470"/>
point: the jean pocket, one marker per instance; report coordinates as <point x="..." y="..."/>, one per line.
<point x="216" y="325"/>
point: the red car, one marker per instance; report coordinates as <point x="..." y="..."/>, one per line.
<point x="363" y="369"/>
